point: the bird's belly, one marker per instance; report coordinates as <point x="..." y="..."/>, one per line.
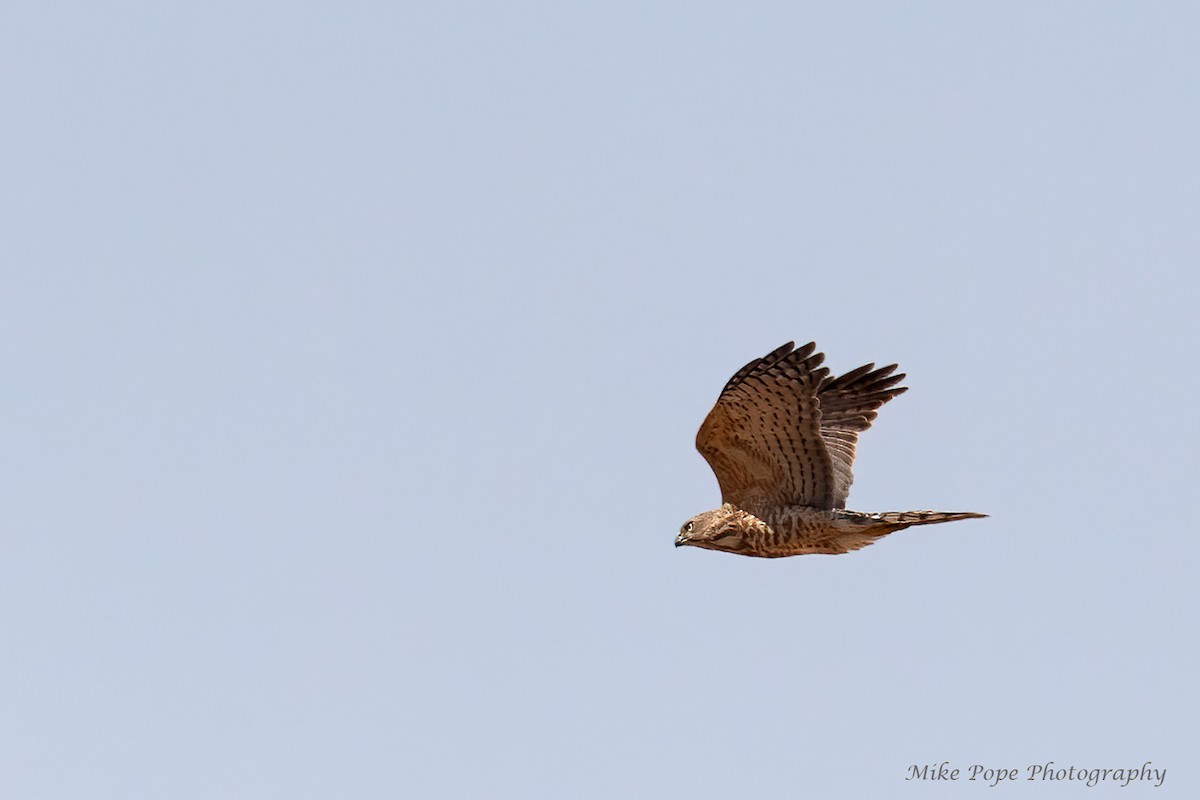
<point x="799" y="530"/>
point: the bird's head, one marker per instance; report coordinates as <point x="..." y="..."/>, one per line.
<point x="723" y="528"/>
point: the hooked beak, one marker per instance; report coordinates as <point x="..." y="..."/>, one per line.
<point x="681" y="540"/>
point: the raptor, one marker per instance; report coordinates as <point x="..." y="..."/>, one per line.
<point x="781" y="440"/>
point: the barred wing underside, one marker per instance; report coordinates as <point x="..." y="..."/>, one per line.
<point x="783" y="432"/>
<point x="763" y="437"/>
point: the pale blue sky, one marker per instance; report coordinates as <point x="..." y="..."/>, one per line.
<point x="353" y="356"/>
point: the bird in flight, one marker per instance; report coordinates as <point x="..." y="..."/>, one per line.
<point x="781" y="441"/>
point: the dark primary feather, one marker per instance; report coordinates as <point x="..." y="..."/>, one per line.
<point x="762" y="365"/>
<point x="849" y="404"/>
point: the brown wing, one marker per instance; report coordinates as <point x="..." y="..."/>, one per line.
<point x="849" y="405"/>
<point x="763" y="437"/>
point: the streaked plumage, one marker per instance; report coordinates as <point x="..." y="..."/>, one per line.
<point x="781" y="440"/>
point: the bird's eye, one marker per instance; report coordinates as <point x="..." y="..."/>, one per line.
<point x="687" y="528"/>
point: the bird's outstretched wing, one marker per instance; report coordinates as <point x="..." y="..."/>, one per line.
<point x="763" y="437"/>
<point x="849" y="404"/>
<point x="784" y="432"/>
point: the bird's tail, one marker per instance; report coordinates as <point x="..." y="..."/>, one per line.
<point x="859" y="530"/>
<point x="904" y="519"/>
<point x="862" y="529"/>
